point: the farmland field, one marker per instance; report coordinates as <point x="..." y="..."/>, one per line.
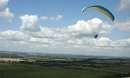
<point x="54" y="66"/>
<point x="36" y="71"/>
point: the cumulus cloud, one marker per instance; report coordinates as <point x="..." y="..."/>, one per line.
<point x="78" y="37"/>
<point x="3" y="4"/>
<point x="5" y="11"/>
<point x="53" y="18"/>
<point x="13" y="35"/>
<point x="6" y="14"/>
<point x="123" y="25"/>
<point x="82" y="29"/>
<point x="90" y="27"/>
<point x="86" y="26"/>
<point x="103" y="42"/>
<point x="29" y="23"/>
<point x="124" y="5"/>
<point x="124" y="43"/>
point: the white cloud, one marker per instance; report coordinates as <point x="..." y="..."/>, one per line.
<point x="123" y="25"/>
<point x="73" y="38"/>
<point x="103" y="42"/>
<point x="13" y="35"/>
<point x="82" y="29"/>
<point x="59" y="17"/>
<point x="6" y="14"/>
<point x="124" y="43"/>
<point x="124" y="5"/>
<point x="86" y="26"/>
<point x="90" y="28"/>
<point x="53" y="18"/>
<point x="3" y="4"/>
<point x="5" y="11"/>
<point x="29" y="23"/>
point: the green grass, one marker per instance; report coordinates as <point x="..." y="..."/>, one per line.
<point x="35" y="71"/>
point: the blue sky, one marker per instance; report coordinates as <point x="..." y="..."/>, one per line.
<point x="71" y="10"/>
<point x="31" y="21"/>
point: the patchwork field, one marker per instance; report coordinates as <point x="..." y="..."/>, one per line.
<point x="34" y="71"/>
<point x="13" y="66"/>
<point x="39" y="71"/>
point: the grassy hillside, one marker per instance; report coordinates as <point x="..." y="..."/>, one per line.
<point x="35" y="71"/>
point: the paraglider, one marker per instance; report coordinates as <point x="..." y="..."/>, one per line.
<point x="96" y="36"/>
<point x="102" y="10"/>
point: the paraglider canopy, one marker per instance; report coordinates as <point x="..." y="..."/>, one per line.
<point x="100" y="9"/>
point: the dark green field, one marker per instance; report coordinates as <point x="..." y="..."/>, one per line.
<point x="36" y="71"/>
<point x="63" y="67"/>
